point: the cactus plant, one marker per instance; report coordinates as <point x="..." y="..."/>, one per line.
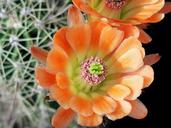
<point x="24" y="23"/>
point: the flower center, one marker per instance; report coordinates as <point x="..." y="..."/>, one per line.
<point x="93" y="70"/>
<point x="96" y="68"/>
<point x="115" y="4"/>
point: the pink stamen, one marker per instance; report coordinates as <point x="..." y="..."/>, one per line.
<point x="115" y="4"/>
<point x="92" y="79"/>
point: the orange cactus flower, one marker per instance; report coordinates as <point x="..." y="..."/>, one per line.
<point x="125" y="11"/>
<point x="94" y="70"/>
<point x="135" y="12"/>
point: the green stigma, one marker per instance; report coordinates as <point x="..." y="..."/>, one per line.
<point x="96" y="68"/>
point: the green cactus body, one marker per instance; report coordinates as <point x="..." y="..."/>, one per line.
<point x="24" y="23"/>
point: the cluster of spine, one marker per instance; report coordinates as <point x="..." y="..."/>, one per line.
<point x="24" y="23"/>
